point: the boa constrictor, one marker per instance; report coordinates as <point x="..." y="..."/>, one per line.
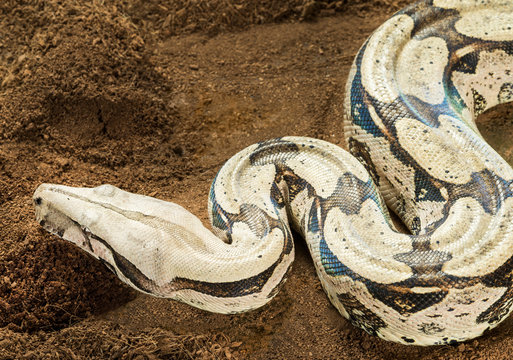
<point x="413" y="93"/>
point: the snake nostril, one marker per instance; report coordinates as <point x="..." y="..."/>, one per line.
<point x="38" y="201"/>
<point x="42" y="223"/>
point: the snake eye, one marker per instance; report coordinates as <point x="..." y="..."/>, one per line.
<point x="38" y="201"/>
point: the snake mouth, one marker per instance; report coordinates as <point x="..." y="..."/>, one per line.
<point x="52" y="228"/>
<point x="56" y="221"/>
<point x="51" y="219"/>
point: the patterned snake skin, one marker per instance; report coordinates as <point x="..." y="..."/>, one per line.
<point x="413" y="93"/>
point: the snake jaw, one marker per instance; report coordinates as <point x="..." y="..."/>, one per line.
<point x="54" y="216"/>
<point x="50" y="218"/>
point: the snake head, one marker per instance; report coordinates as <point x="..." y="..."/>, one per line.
<point x="70" y="213"/>
<point x="142" y="239"/>
<point x="99" y="220"/>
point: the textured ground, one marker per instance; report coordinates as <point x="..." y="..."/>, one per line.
<point x="154" y="98"/>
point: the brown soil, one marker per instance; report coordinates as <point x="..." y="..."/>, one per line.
<point x="154" y="98"/>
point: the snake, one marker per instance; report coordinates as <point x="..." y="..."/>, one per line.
<point x="413" y="94"/>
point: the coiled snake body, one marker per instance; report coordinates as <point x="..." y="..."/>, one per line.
<point x="413" y="93"/>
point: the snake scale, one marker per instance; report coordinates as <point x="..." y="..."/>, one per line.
<point x="413" y="93"/>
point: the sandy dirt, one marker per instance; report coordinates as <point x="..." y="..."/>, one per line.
<point x="154" y="98"/>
